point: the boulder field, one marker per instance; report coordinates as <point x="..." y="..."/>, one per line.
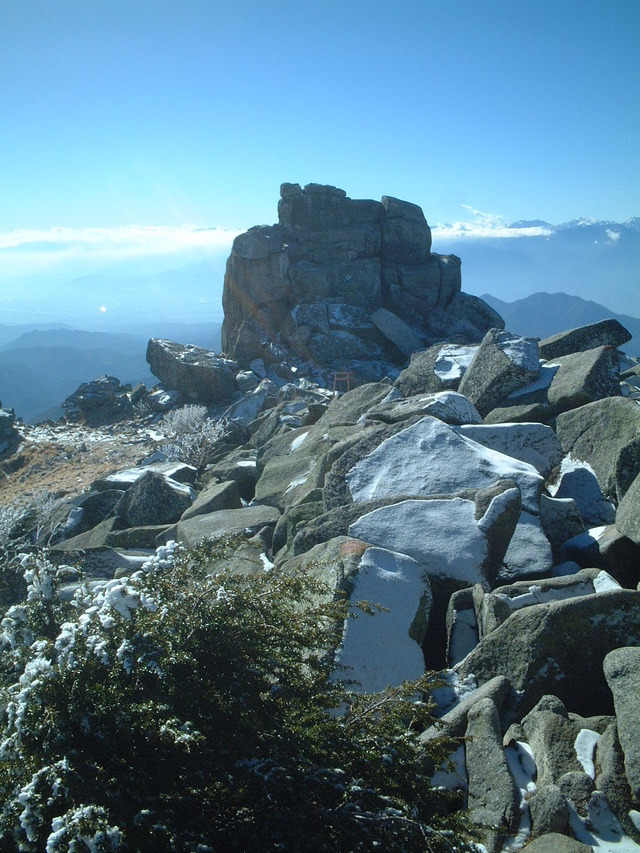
<point x="483" y="490"/>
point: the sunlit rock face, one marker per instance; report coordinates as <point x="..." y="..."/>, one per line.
<point x="340" y="280"/>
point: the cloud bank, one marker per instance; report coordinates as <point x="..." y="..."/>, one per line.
<point x="484" y="225"/>
<point x="26" y="251"/>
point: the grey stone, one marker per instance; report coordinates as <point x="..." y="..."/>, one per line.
<point x="396" y="330"/>
<point x="581" y="485"/>
<point x="611" y="778"/>
<point x="226" y="522"/>
<point x="560" y="520"/>
<point x="558" y="648"/>
<point x="622" y="671"/>
<point x="214" y="497"/>
<point x="577" y="786"/>
<point x="447" y="406"/>
<point x="605" y="333"/>
<point x="584" y="377"/>
<point x="103" y="401"/>
<point x="454" y="722"/>
<point x="153" y="500"/>
<point x="493" y="798"/>
<point x="530" y="442"/>
<point x="628" y="514"/>
<point x="420" y="376"/>
<point x="198" y="374"/>
<point x="551" y="734"/>
<point x="606" y="434"/>
<point x="462" y="626"/>
<point x="503" y="363"/>
<point x="549" y="810"/>
<point x="553" y="842"/>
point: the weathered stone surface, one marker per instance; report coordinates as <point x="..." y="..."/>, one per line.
<point x="534" y="443"/>
<point x="454" y="722"/>
<point x="553" y="842"/>
<point x="560" y="520"/>
<point x="551" y="734"/>
<point x="584" y="377"/>
<point x="103" y="401"/>
<point x="431" y="458"/>
<point x="214" y="497"/>
<point x="578" y="483"/>
<point x="396" y="330"/>
<point x="549" y="810"/>
<point x="328" y="249"/>
<point x="198" y="374"/>
<point x="503" y="363"/>
<point x="153" y="500"/>
<point x="605" y="333"/>
<point x="226" y="522"/>
<point x="447" y="406"/>
<point x="606" y="435"/>
<point x="498" y="511"/>
<point x="558" y="648"/>
<point x="462" y="626"/>
<point x="136" y="537"/>
<point x="438" y="368"/>
<point x="493" y="798"/>
<point x="628" y="514"/>
<point x="495" y="607"/>
<point x="622" y="671"/>
<point x="577" y="786"/>
<point x="611" y="778"/>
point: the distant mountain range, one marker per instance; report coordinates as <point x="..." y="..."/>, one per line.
<point x="41" y="367"/>
<point x="545" y="314"/>
<point x="595" y="260"/>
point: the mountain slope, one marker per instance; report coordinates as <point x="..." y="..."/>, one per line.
<point x="545" y="314"/>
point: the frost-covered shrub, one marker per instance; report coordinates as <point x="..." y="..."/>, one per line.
<point x="192" y="435"/>
<point x="181" y="710"/>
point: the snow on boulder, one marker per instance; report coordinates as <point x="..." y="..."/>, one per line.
<point x="384" y="649"/>
<point x="503" y="363"/>
<point x="447" y="406"/>
<point x="530" y="442"/>
<point x="431" y="458"/>
<point x="441" y="534"/>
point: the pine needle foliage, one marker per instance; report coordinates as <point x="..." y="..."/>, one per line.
<point x="182" y="709"/>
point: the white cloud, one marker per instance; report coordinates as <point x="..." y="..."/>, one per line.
<point x="31" y="250"/>
<point x="612" y="235"/>
<point x="482" y="226"/>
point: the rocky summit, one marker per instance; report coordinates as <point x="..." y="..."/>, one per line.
<point x="345" y="282"/>
<point x="483" y="490"/>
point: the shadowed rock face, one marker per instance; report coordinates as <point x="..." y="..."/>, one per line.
<point x="340" y="280"/>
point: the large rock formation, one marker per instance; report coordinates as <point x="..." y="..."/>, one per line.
<point x="342" y="280"/>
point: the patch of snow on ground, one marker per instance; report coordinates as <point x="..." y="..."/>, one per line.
<point x="452" y="361"/>
<point x="295" y="444"/>
<point x="266" y="562"/>
<point x="585" y="747"/>
<point x="536" y="595"/>
<point x="452" y="774"/>
<point x="523" y="769"/>
<point x="601" y="829"/>
<point x="567" y="465"/>
<point x="547" y="372"/>
<point x="452" y="692"/>
<point x="603" y="582"/>
<point x="464" y="635"/>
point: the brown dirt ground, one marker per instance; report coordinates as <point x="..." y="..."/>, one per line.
<point x="65" y="459"/>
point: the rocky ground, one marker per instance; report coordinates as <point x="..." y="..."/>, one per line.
<point x="64" y="459"/>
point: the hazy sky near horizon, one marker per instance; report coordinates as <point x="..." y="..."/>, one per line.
<point x="161" y="113"/>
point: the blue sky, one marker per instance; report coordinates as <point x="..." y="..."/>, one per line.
<point x="161" y="115"/>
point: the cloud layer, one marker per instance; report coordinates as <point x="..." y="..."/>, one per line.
<point x="26" y="251"/>
<point x="484" y="225"/>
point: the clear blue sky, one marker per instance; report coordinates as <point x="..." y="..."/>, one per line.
<point x="115" y="112"/>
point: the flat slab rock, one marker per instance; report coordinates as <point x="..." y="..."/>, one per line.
<point x="432" y="458"/>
